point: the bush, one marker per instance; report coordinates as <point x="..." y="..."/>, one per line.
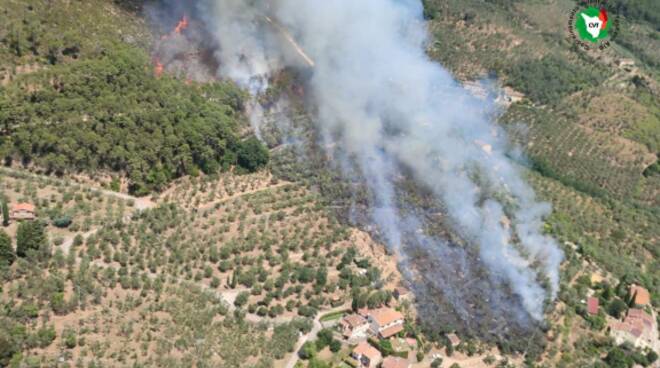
<point x="241" y="299"/>
<point x="70" y="340"/>
<point x="62" y="222"/>
<point x="335" y="345"/>
<point x="616" y="308"/>
<point x="45" y="336"/>
<point x="616" y="358"/>
<point x="58" y="304"/>
<point x="324" y="337"/>
<point x="252" y="154"/>
<point x="307" y="351"/>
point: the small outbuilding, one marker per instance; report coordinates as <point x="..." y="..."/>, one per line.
<point x="22" y="211"/>
<point x="592" y="305"/>
<point x="395" y="362"/>
<point x="367" y="355"/>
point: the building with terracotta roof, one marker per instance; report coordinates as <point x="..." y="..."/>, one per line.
<point x="22" y="211"/>
<point x="454" y="339"/>
<point x="354" y="326"/>
<point x="640" y="296"/>
<point x="592" y="305"/>
<point x="638" y="328"/>
<point x="367" y="355"/>
<point x="395" y="362"/>
<point x="385" y="322"/>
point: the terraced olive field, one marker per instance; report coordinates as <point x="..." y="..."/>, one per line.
<point x="246" y="270"/>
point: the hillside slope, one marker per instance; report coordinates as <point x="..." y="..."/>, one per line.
<point x="82" y="96"/>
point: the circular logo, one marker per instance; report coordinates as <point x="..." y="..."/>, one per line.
<point x="593" y="27"/>
<point x="591" y="24"/>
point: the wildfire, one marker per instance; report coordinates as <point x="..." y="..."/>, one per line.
<point x="159" y="68"/>
<point x="182" y="25"/>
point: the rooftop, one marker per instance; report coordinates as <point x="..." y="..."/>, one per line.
<point x="592" y="305"/>
<point x="640" y="295"/>
<point x="354" y="320"/>
<point x="384" y="316"/>
<point x="454" y="339"/>
<point x="23" y="207"/>
<point x="391" y="331"/>
<point x="364" y="349"/>
<point x="395" y="362"/>
<point x="636" y="323"/>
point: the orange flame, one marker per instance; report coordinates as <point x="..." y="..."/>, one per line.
<point x="159" y="68"/>
<point x="182" y="25"/>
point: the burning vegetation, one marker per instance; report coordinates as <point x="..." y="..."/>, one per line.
<point x="408" y="118"/>
<point x="185" y="53"/>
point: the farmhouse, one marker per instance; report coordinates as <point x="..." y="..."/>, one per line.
<point x="367" y="355"/>
<point x="638" y="328"/>
<point x="22" y="211"/>
<point x="385" y="322"/>
<point x="454" y="339"/>
<point x="354" y="326"/>
<point x="640" y="296"/>
<point x="395" y="362"/>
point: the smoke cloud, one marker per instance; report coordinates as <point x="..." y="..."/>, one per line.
<point x="379" y="97"/>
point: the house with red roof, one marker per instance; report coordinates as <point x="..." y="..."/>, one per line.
<point x="592" y="305"/>
<point x="354" y="326"/>
<point x="395" y="362"/>
<point x="638" y="328"/>
<point x="385" y="322"/>
<point x="640" y="296"/>
<point x="367" y="355"/>
<point x="22" y="211"/>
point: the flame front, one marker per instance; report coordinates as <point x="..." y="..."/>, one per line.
<point x="182" y="25"/>
<point x="159" y="68"/>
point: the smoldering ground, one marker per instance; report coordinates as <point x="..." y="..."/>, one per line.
<point x="386" y="109"/>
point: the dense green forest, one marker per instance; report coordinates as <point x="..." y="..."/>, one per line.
<point x="89" y="101"/>
<point x="548" y="79"/>
<point x="112" y="113"/>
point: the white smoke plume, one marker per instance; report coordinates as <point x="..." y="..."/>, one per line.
<point x="377" y="92"/>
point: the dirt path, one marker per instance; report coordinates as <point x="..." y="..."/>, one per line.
<point x="66" y="245"/>
<point x="238" y="195"/>
<point x="141" y="203"/>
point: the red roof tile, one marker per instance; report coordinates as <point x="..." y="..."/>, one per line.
<point x="640" y="295"/>
<point x="391" y="331"/>
<point x="384" y="316"/>
<point x="395" y="362"/>
<point x="23" y="207"/>
<point x="364" y="349"/>
<point x="592" y="305"/>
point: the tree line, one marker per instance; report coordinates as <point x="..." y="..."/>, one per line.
<point x="111" y="113"/>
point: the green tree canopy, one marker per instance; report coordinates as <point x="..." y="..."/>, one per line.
<point x="31" y="235"/>
<point x="6" y="251"/>
<point x="252" y="154"/>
